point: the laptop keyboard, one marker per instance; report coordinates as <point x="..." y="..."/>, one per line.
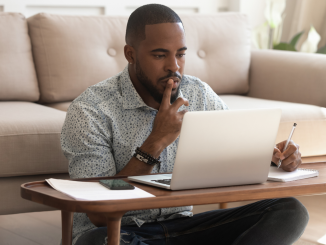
<point x="163" y="181"/>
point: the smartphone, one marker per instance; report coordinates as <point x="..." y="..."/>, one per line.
<point x="116" y="184"/>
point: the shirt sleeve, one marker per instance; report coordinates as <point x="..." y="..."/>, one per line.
<point x="212" y="100"/>
<point x="86" y="141"/>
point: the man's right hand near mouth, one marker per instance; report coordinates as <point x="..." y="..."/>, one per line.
<point x="168" y="121"/>
<point x="166" y="129"/>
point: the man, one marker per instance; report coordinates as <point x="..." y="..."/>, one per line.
<point x="143" y="107"/>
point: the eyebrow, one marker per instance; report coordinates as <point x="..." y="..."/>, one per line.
<point x="166" y="51"/>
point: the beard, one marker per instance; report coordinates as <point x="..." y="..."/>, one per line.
<point x="148" y="84"/>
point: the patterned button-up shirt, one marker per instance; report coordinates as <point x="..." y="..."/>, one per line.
<point x="106" y="123"/>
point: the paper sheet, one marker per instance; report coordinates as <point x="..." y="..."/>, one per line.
<point x="94" y="191"/>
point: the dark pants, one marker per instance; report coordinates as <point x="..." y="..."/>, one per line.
<point x="266" y="222"/>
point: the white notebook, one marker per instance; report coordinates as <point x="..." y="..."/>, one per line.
<point x="278" y="174"/>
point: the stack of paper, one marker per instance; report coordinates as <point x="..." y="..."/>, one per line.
<point x="94" y="191"/>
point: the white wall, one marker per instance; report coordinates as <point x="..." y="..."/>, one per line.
<point x="107" y="7"/>
<point x="253" y="8"/>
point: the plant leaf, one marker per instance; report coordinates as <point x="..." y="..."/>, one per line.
<point x="296" y="38"/>
<point x="284" y="46"/>
<point x="322" y="50"/>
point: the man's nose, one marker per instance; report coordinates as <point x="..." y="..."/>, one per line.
<point x="172" y="65"/>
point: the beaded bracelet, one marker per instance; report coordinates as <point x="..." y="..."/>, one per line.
<point x="145" y="157"/>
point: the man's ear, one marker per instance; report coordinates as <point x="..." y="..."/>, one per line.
<point x="130" y="54"/>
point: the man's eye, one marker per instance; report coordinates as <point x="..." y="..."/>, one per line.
<point x="159" y="56"/>
<point x="181" y="55"/>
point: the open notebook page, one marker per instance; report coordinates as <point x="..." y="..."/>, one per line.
<point x="94" y="191"/>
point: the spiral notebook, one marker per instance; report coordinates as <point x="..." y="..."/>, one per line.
<point x="278" y="174"/>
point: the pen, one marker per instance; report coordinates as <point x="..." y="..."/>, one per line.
<point x="287" y="143"/>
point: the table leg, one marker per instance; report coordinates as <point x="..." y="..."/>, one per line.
<point x="66" y="220"/>
<point x="223" y="205"/>
<point x="113" y="222"/>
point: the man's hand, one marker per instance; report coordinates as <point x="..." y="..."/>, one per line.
<point x="166" y="129"/>
<point x="291" y="158"/>
<point x="168" y="121"/>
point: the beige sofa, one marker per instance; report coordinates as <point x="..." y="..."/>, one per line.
<point x="47" y="60"/>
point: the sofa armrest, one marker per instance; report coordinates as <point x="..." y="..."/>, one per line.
<point x="288" y="76"/>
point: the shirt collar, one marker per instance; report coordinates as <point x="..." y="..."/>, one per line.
<point x="131" y="99"/>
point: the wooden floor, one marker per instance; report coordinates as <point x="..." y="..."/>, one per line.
<point x="44" y="228"/>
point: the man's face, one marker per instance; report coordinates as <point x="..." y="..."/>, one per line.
<point x="161" y="56"/>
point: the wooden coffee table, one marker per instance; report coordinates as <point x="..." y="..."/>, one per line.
<point x="113" y="210"/>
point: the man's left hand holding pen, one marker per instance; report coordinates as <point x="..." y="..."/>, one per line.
<point x="291" y="157"/>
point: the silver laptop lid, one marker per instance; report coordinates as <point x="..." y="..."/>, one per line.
<point x="223" y="148"/>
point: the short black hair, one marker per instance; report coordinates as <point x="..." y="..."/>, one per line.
<point x="149" y="14"/>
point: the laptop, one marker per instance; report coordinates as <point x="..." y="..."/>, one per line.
<point x="221" y="148"/>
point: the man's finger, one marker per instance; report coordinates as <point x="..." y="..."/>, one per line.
<point x="179" y="102"/>
<point x="182" y="113"/>
<point x="167" y="94"/>
<point x="289" y="151"/>
<point x="292" y="162"/>
<point x="277" y="153"/>
<point x="281" y="145"/>
<point x="289" y="160"/>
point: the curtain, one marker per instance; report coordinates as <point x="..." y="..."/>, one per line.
<point x="300" y="15"/>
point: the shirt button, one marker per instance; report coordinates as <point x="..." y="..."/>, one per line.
<point x="112" y="52"/>
<point x="201" y="54"/>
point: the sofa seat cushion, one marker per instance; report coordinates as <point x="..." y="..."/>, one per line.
<point x="62" y="106"/>
<point x="30" y="139"/>
<point x="310" y="133"/>
<point x="13" y="203"/>
<point x="17" y="73"/>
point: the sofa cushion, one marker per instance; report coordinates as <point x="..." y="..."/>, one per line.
<point x="30" y="139"/>
<point x="62" y="106"/>
<point x="17" y="74"/>
<point x="219" y="51"/>
<point x="310" y="133"/>
<point x="72" y="53"/>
